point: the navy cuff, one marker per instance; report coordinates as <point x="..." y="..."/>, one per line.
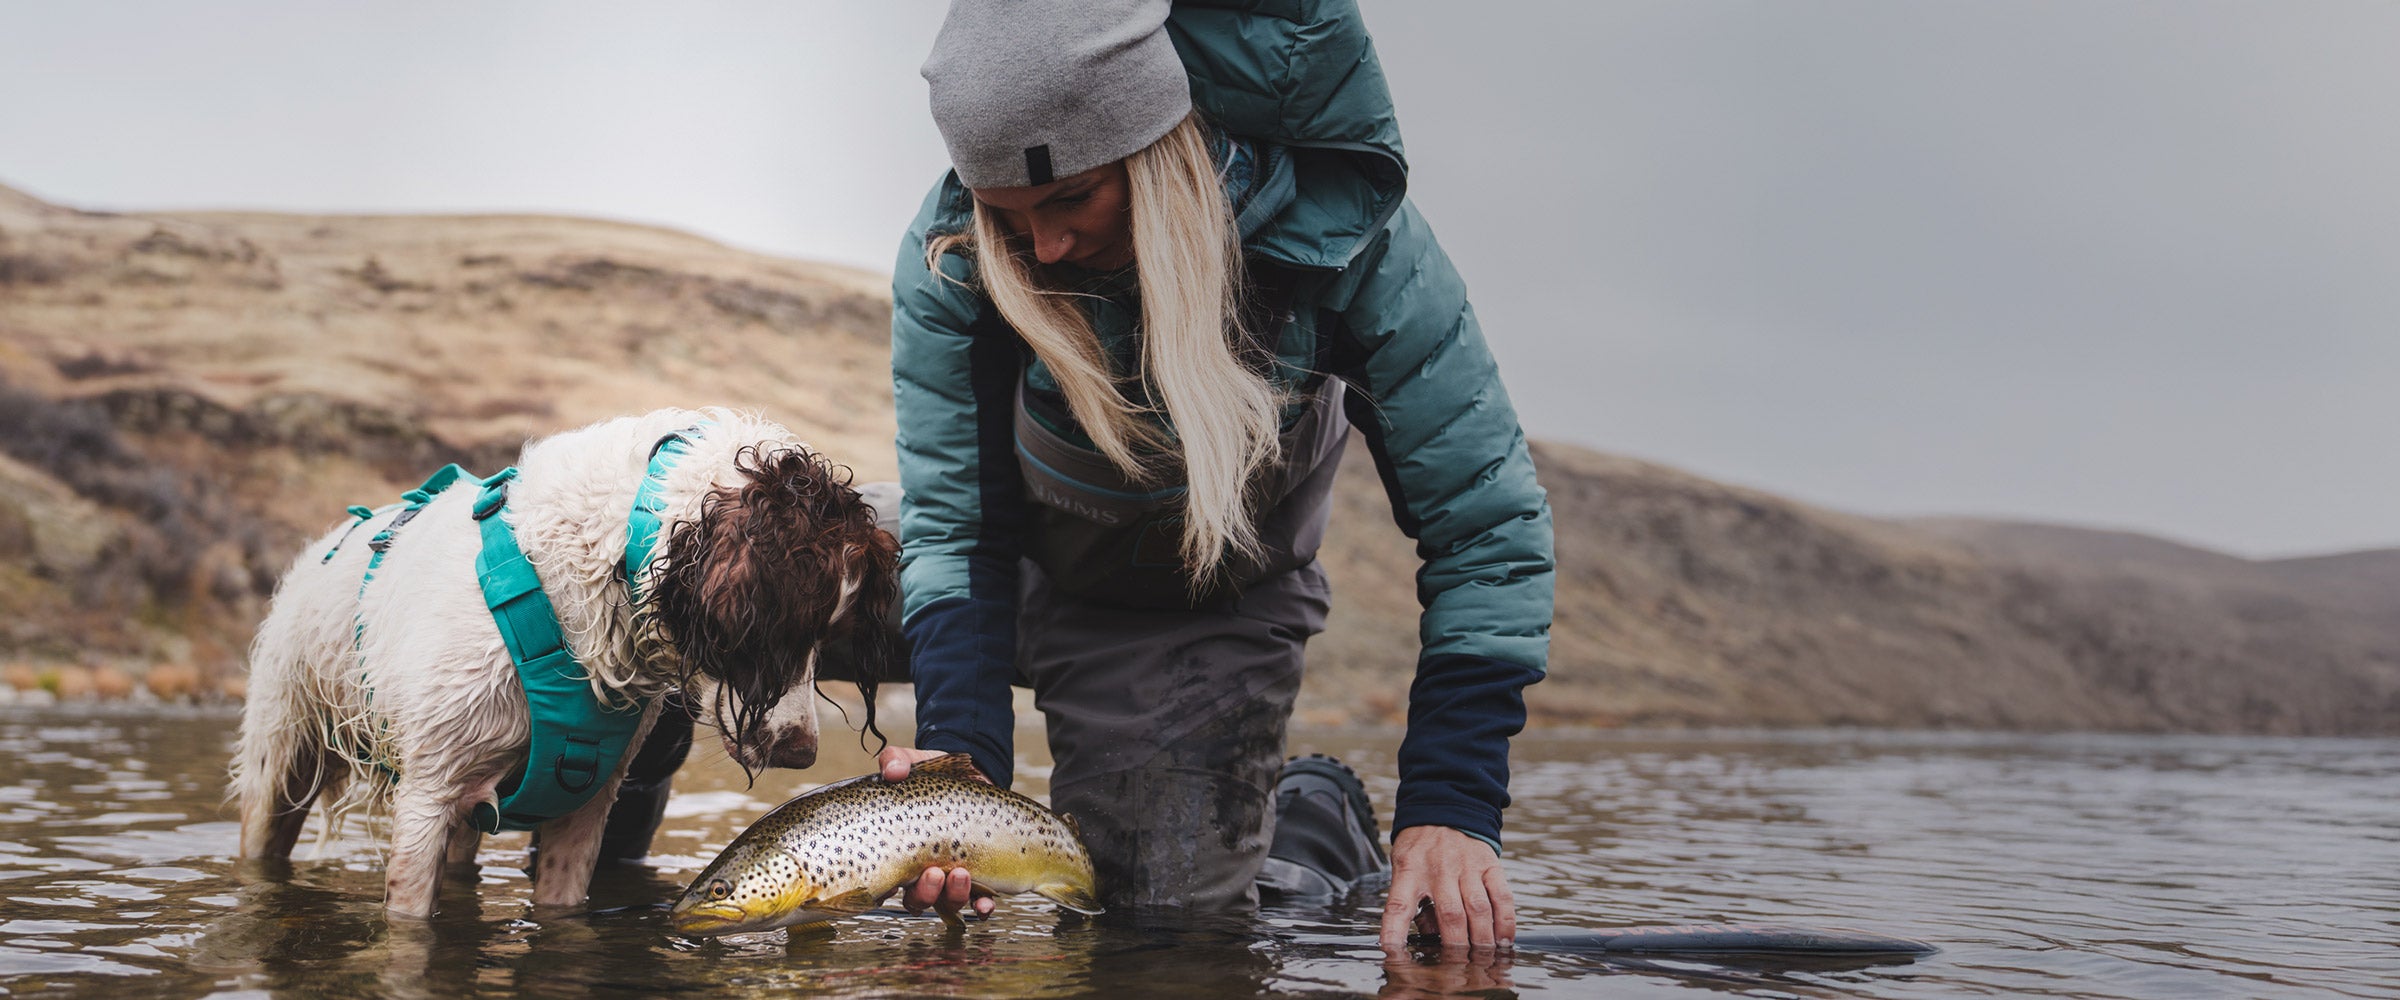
<point x="1454" y="760"/>
<point x="962" y="653"/>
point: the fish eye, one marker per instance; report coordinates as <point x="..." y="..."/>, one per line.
<point x="719" y="889"/>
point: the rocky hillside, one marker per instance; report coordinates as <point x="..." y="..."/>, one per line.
<point x="185" y="397"/>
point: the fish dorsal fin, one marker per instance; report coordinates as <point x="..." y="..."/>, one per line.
<point x="949" y="765"/>
<point x="1072" y="826"/>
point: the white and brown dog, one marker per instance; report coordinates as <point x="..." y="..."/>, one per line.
<point x="401" y="692"/>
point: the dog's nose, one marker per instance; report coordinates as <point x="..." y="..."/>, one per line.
<point x="794" y="752"/>
<point x="793" y="748"/>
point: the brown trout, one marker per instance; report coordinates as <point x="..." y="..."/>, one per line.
<point x="836" y="851"/>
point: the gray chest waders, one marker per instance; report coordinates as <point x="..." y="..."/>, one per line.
<point x="1165" y="711"/>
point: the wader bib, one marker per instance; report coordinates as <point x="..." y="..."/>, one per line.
<point x="1099" y="535"/>
<point x="1166" y="710"/>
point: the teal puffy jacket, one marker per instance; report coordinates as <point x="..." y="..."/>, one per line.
<point x="1318" y="177"/>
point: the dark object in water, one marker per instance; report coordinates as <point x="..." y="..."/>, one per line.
<point x="1733" y="954"/>
<point x="1724" y="939"/>
<point x="1326" y="847"/>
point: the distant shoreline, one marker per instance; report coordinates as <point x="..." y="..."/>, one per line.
<point x="1866" y="736"/>
<point x="194" y="396"/>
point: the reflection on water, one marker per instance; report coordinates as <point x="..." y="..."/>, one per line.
<point x="2043" y="866"/>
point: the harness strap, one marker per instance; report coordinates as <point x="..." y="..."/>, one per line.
<point x="410" y="503"/>
<point x="360" y="514"/>
<point x="577" y="738"/>
<point x="646" y="523"/>
<point x="381" y="543"/>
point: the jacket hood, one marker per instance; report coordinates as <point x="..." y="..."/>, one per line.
<point x="1301" y="74"/>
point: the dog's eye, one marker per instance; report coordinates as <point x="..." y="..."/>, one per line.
<point x="719" y="889"/>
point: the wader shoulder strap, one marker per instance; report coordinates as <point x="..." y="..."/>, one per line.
<point x="577" y="740"/>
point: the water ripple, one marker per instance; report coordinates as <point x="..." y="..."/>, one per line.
<point x="2086" y="866"/>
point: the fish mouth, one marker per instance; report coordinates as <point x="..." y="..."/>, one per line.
<point x="711" y="919"/>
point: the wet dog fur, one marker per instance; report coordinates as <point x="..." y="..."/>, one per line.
<point x="401" y="694"/>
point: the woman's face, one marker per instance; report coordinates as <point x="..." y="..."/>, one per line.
<point x="1084" y="220"/>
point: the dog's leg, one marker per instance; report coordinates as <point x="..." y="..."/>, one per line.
<point x="459" y="858"/>
<point x="280" y="764"/>
<point x="422" y="818"/>
<point x="562" y="874"/>
<point x="275" y="810"/>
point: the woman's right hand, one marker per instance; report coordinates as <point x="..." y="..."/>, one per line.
<point x="946" y="890"/>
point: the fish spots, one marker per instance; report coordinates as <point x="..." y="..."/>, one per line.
<point x="864" y="836"/>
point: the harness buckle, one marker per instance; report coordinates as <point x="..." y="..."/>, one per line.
<point x="495" y="493"/>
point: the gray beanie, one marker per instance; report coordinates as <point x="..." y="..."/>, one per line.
<point x="1029" y="91"/>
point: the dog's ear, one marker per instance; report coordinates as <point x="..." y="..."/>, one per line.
<point x="785" y="564"/>
<point x="750" y="584"/>
<point x="868" y="633"/>
<point x="729" y="585"/>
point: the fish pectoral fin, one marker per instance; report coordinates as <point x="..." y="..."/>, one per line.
<point x="852" y="902"/>
<point x="1074" y="898"/>
<point x="949" y="765"/>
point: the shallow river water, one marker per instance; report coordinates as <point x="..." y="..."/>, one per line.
<point x="2083" y="866"/>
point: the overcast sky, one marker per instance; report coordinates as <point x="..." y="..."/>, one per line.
<point x="2120" y="264"/>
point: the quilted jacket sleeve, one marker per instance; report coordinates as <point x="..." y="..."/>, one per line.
<point x="954" y="371"/>
<point x="1461" y="481"/>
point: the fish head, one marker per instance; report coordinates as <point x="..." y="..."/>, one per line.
<point x="750" y="888"/>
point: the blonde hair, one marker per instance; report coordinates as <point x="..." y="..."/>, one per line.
<point x="1188" y="260"/>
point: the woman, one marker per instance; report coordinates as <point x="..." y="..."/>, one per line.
<point x="1171" y="266"/>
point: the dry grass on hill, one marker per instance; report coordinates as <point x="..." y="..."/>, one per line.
<point x="186" y="397"/>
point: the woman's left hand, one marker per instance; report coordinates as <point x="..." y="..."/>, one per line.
<point x="1461" y="878"/>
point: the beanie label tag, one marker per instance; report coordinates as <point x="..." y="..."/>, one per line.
<point x="1037" y="165"/>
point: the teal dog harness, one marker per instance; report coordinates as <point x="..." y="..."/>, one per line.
<point x="644" y="525"/>
<point x="577" y="737"/>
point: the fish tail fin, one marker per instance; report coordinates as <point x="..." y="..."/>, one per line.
<point x="1074" y="897"/>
